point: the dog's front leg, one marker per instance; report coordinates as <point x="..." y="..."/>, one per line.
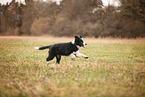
<point x="81" y="55"/>
<point x="72" y="56"/>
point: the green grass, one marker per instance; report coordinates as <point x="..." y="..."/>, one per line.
<point x="115" y="68"/>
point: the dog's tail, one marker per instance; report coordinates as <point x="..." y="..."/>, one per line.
<point x="43" y="47"/>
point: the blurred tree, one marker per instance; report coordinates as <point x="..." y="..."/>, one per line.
<point x="4" y="24"/>
<point x="35" y="9"/>
<point x="134" y="9"/>
<point x="74" y="9"/>
<point x="0" y="18"/>
<point x="41" y="26"/>
<point x="28" y="16"/>
<point x="71" y="17"/>
<point x="10" y="17"/>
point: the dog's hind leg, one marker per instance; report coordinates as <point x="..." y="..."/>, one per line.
<point x="50" y="57"/>
<point x="58" y="58"/>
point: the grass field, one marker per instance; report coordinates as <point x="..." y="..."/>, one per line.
<point x="115" y="68"/>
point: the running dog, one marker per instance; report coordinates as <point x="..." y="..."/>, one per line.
<point x="65" y="49"/>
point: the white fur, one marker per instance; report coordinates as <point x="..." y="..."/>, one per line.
<point x="73" y="42"/>
<point x="37" y="48"/>
<point x="83" y="42"/>
<point x="72" y="56"/>
<point x="80" y="55"/>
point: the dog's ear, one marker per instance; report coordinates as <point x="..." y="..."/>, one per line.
<point x="81" y="36"/>
<point x="76" y="37"/>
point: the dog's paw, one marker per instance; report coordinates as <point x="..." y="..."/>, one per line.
<point x="86" y="57"/>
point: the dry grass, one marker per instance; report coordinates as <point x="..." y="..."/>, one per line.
<point x="116" y="67"/>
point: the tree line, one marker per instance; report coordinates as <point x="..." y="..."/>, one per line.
<point x="73" y="17"/>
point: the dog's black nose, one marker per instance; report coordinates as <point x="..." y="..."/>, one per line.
<point x="85" y="44"/>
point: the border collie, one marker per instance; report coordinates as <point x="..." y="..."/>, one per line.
<point x="66" y="49"/>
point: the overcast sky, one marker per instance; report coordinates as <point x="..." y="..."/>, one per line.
<point x="105" y="2"/>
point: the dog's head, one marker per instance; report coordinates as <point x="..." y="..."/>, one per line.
<point x="79" y="41"/>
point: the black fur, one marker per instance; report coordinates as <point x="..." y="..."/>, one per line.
<point x="64" y="49"/>
<point x="44" y="47"/>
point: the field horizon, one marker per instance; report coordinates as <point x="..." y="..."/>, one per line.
<point x="115" y="68"/>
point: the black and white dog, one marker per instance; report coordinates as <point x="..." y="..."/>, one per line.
<point x="66" y="49"/>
